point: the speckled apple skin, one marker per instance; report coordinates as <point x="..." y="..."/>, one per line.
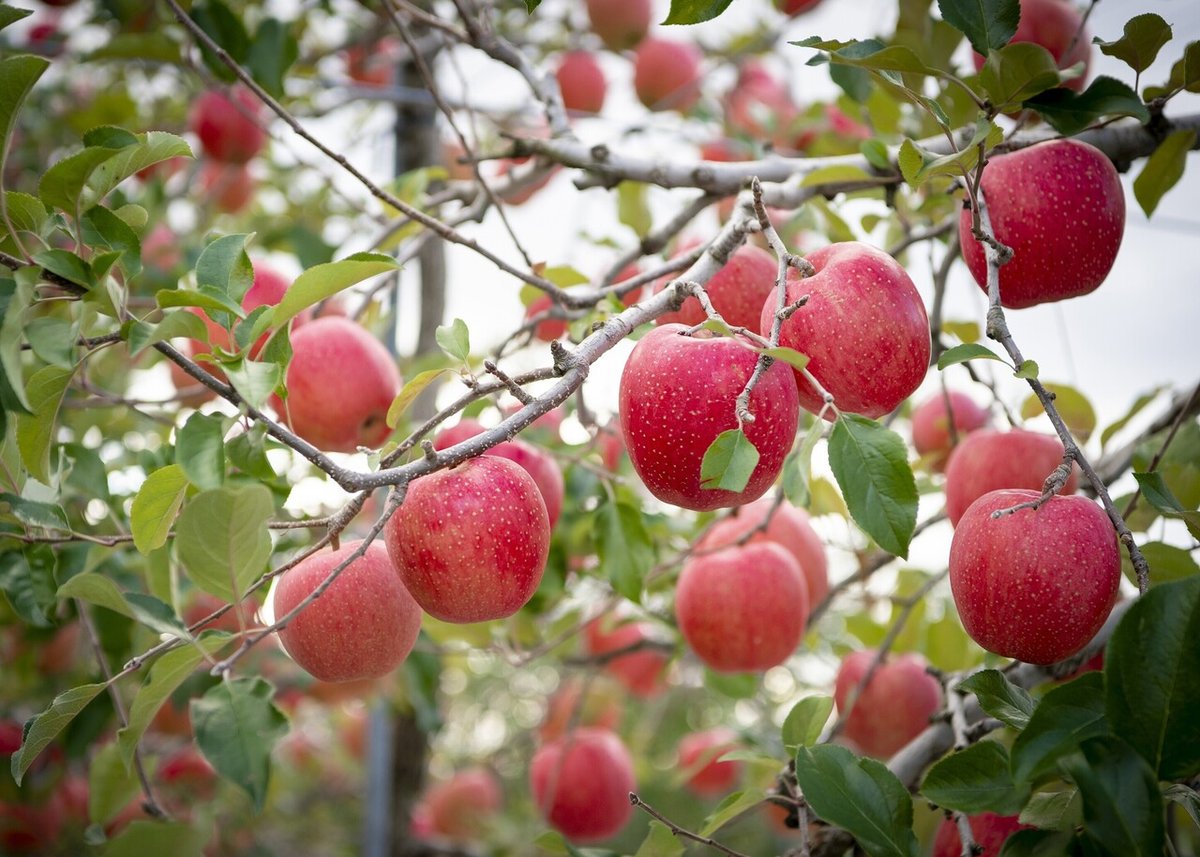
<point x="340" y="383"/>
<point x="1035" y="585"/>
<point x="713" y="777"/>
<point x="991" y="831"/>
<point x="788" y="527"/>
<point x="931" y="424"/>
<point x="581" y="784"/>
<point x="1055" y="25"/>
<point x="362" y="627"/>
<point x="864" y="330"/>
<point x="893" y="708"/>
<point x="988" y="460"/>
<point x="1060" y="207"/>
<point x="742" y="609"/>
<point x="471" y="542"/>
<point x="677" y="394"/>
<point x="737" y="291"/>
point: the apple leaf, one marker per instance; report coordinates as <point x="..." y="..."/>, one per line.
<point x="728" y="462"/>
<point x="254" y="380"/>
<point x="111" y="786"/>
<point x="52" y="340"/>
<point x="1159" y="495"/>
<point x="805" y="722"/>
<point x="1163" y="169"/>
<point x="68" y="265"/>
<point x="963" y="353"/>
<point x="1000" y="698"/>
<point x="976" y="779"/>
<point x="695" y="11"/>
<point x="1167" y="562"/>
<point x="35" y="513"/>
<point x="1143" y="38"/>
<point x="531" y="5"/>
<point x="870" y="463"/>
<point x="1041" y="843"/>
<point x="155" y="506"/>
<point x="632" y="208"/>
<point x="62" y="185"/>
<point x="102" y="228"/>
<point x="1186" y="797"/>
<point x="731" y="807"/>
<point x="408" y="394"/>
<point x="272" y="52"/>
<point x="35" y="431"/>
<point x="10" y="15"/>
<point x="222" y="538"/>
<point x="1122" y="804"/>
<point x="1053" y="810"/>
<point x="1066" y="715"/>
<point x="157" y="837"/>
<point x="797" y="469"/>
<point x="27" y="580"/>
<point x="918" y="164"/>
<point x="236" y="726"/>
<point x="200" y="450"/>
<point x="624" y="547"/>
<point x="43" y="728"/>
<point x="146" y="150"/>
<point x="1017" y="72"/>
<point x="859" y="795"/>
<point x="321" y="282"/>
<point x="1136" y="408"/>
<point x="15" y="297"/>
<point x="660" y="842"/>
<point x="1185" y="75"/>
<point x="18" y="74"/>
<point x="455" y="340"/>
<point x="1028" y="370"/>
<point x="733" y="685"/>
<point x="987" y="24"/>
<point x="1152" y="678"/>
<point x="225" y="267"/>
<point x="209" y="299"/>
<point x="1075" y="409"/>
<point x="790" y="356"/>
<point x="1069" y="112"/>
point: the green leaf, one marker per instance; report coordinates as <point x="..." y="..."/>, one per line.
<point x="66" y="264"/>
<point x="659" y="842"/>
<point x="918" y="164"/>
<point x="1053" y="810"/>
<point x="111" y="786"/>
<point x="272" y="52"/>
<point x="96" y="589"/>
<point x="35" y="431"/>
<point x="157" y="837"/>
<point x="200" y="450"/>
<point x="963" y="353"/>
<point x="36" y="513"/>
<point x="530" y="5"/>
<point x="624" y="547"/>
<point x="870" y="463"/>
<point x="731" y="807"/>
<point x="1143" y="38"/>
<point x="976" y="779"/>
<point x="876" y="153"/>
<point x="1163" y="169"/>
<point x="43" y="728"/>
<point x="174" y="324"/>
<point x="1185" y="75"/>
<point x="15" y="297"/>
<point x="695" y="11"/>
<point x="17" y="76"/>
<point x="805" y="722"/>
<point x="222" y="538"/>
<point x="987" y="24"/>
<point x="254" y="381"/>
<point x="797" y="469"/>
<point x="1017" y="72"/>
<point x="1040" y="843"/>
<point x="1069" y="112"/>
<point x="790" y="356"/>
<point x="835" y="175"/>
<point x="1152" y="678"/>
<point x="53" y="340"/>
<point x="409" y="392"/>
<point x="324" y="281"/>
<point x="1122" y="806"/>
<point x="211" y="300"/>
<point x="62" y="185"/>
<point x="455" y="340"/>
<point x="1000" y="698"/>
<point x="1027" y="370"/>
<point x="733" y="685"/>
<point x="228" y="31"/>
<point x="152" y="147"/>
<point x="236" y="726"/>
<point x="155" y="506"/>
<point x="859" y="795"/>
<point x="102" y="228"/>
<point x="27" y="579"/>
<point x="1136" y="408"/>
<point x="728" y="462"/>
<point x="1075" y="409"/>
<point x="1186" y="797"/>
<point x="155" y="47"/>
<point x="1167" y="562"/>
<point x="10" y="15"/>
<point x="1066" y="715"/>
<point x="632" y="208"/>
<point x="225" y="267"/>
<point x="1159" y="495"/>
<point x="26" y="213"/>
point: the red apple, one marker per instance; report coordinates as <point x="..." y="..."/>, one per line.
<point x="201" y="605"/>
<point x="677" y="395"/>
<point x="742" y="609"/>
<point x="698" y="754"/>
<point x="864" y="330"/>
<point x="581" y="702"/>
<point x="550" y="328"/>
<point x="1058" y="26"/>
<point x="759" y="106"/>
<point x="640" y="671"/>
<point x="11" y="734"/>
<point x="171" y="719"/>
<point x="267" y="289"/>
<point x="931" y="424"/>
<point x="893" y="708"/>
<point x="374" y="63"/>
<point x="189" y="773"/>
<point x="340" y="384"/>
<point x="737" y="291"/>
<point x="362" y="627"/>
<point x="228" y="128"/>
<point x="796" y="7"/>
<point x="459" y="808"/>
<point x="612" y="444"/>
<point x="59" y="654"/>
<point x="666" y="74"/>
<point x="525" y="188"/>
<point x="161" y="249"/>
<point x="229" y="186"/>
<point x="581" y="784"/>
<point x="471" y="542"/>
<point x="620" y="24"/>
<point x="1037" y="584"/>
<point x="989" y="830"/>
<point x="987" y="460"/>
<point x="788" y="527"/>
<point x="582" y="82"/>
<point x="1060" y="207"/>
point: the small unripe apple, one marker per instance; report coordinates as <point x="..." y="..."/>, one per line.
<point x="640" y="671"/>
<point x="1058" y="26"/>
<point x="931" y="424"/>
<point x="581" y="702"/>
<point x="677" y="394"/>
<point x="362" y="627"/>
<point x="228" y="128"/>
<point x="893" y="708"/>
<point x="340" y="382"/>
<point x="796" y="7"/>
<point x="666" y="74"/>
<point x="1036" y="584"/>
<point x="987" y="460"/>
<point x="471" y="542"/>
<point x="1059" y="205"/>
<point x="699" y="752"/>
<point x="231" y="187"/>
<point x="620" y="24"/>
<point x="989" y="830"/>
<point x="864" y="329"/>
<point x="737" y="291"/>
<point x="582" y="82"/>
<point x="788" y="527"/>
<point x="460" y="807"/>
<point x="742" y="609"/>
<point x="581" y="784"/>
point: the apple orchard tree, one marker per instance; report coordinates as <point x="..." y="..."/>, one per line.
<point x="295" y="562"/>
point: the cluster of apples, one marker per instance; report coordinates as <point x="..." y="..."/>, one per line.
<point x="229" y="127"/>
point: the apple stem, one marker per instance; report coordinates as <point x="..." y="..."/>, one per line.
<point x="680" y="832"/>
<point x="965" y="835"/>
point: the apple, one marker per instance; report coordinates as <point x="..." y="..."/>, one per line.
<point x="1037" y="584"/>
<point x="759" y="106"/>
<point x="620" y="24"/>
<point x="931" y="424"/>
<point x="471" y="542"/>
<point x="864" y="330"/>
<point x="788" y="527"/>
<point x="459" y="807"/>
<point x="161" y="170"/>
<point x="548" y="424"/>
<point x="698" y="755"/>
<point x="989" y="830"/>
<point x="526" y="189"/>
<point x="11" y="735"/>
<point x="582" y="82"/>
<point x="642" y="671"/>
<point x="420" y="825"/>
<point x="796" y="7"/>
<point x="231" y="187"/>
<point x="171" y="719"/>
<point x="374" y="63"/>
<point x="188" y="772"/>
<point x="362" y="627"/>
<point x="581" y="784"/>
<point x="453" y="154"/>
<point x="550" y="328"/>
<point x="611" y="443"/>
<point x="267" y="289"/>
<point x="1058" y="26"/>
<point x="742" y="609"/>
<point x="581" y="702"/>
<point x="737" y="291"/>
<point x="59" y="654"/>
<point x="340" y="382"/>
<point x="666" y="74"/>
<point x="987" y="460"/>
<point x="161" y="249"/>
<point x="893" y="708"/>
<point x="677" y="394"/>
<point x="228" y="127"/>
<point x="1060" y="207"/>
